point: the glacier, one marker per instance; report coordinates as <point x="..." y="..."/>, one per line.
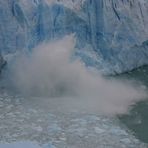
<point x="112" y="35"/>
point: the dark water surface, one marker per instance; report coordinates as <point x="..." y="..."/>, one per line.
<point x="137" y="119"/>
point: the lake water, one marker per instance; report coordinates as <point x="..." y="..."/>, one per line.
<point x="23" y="119"/>
<point x="137" y="119"/>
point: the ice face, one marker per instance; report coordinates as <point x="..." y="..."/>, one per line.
<point x="112" y="30"/>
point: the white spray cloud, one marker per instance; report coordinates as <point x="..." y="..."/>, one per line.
<point x="50" y="72"/>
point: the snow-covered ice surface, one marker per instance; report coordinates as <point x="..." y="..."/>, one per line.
<point x="22" y="120"/>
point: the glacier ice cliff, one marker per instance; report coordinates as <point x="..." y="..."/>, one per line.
<point x="2" y="62"/>
<point x="111" y="35"/>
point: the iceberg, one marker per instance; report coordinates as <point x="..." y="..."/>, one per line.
<point x="20" y="144"/>
<point x="115" y="31"/>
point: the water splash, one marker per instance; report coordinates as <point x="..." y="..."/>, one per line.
<point x="50" y="72"/>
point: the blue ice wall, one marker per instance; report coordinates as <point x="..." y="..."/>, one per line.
<point x="22" y="27"/>
<point x="109" y="33"/>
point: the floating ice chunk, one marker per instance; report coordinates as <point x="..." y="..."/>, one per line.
<point x="20" y="145"/>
